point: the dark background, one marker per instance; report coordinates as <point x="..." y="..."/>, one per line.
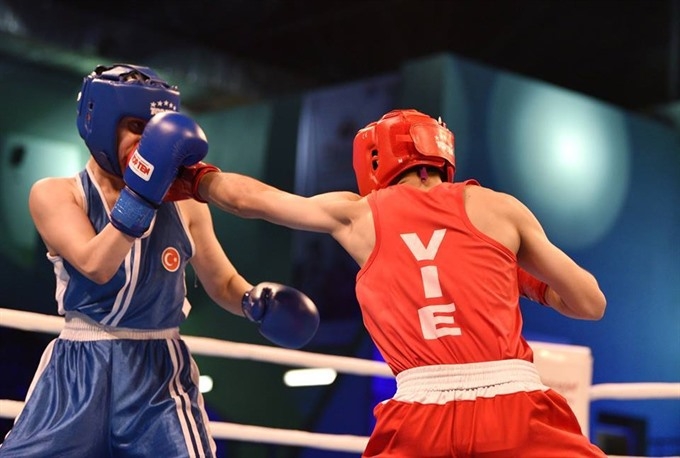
<point x="626" y="52"/>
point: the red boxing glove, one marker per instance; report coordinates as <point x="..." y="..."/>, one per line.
<point x="186" y="183"/>
<point x="531" y="287"/>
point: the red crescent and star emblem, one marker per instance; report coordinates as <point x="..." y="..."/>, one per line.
<point x="170" y="259"/>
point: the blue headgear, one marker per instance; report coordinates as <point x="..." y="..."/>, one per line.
<point x="111" y="93"/>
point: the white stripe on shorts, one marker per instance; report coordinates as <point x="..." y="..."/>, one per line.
<point x="183" y="403"/>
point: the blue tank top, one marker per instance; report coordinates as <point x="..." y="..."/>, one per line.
<point x="149" y="290"/>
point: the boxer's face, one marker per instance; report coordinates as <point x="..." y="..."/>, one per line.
<point x="129" y="132"/>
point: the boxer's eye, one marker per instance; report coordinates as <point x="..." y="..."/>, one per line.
<point x="136" y="126"/>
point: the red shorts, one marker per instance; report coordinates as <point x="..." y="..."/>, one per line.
<point x="520" y="417"/>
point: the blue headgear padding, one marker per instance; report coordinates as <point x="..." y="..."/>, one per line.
<point x="111" y="93"/>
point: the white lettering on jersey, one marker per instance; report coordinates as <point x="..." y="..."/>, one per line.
<point x="430" y="277"/>
<point x="435" y="320"/>
<point x="421" y="252"/>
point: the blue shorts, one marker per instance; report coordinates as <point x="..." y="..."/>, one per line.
<point x="102" y="392"/>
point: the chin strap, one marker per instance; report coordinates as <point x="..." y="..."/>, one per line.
<point x="423" y="174"/>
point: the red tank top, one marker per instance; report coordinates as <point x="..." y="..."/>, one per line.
<point x="435" y="290"/>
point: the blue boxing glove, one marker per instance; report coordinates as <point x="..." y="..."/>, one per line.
<point x="170" y="140"/>
<point x="285" y="315"/>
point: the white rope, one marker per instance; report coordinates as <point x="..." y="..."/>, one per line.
<point x="249" y="433"/>
<point x="214" y="347"/>
<point x="29" y="321"/>
<point x="261" y="434"/>
<point x="51" y="324"/>
<point x="635" y="391"/>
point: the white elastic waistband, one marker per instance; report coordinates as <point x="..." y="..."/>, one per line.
<point x="79" y="327"/>
<point x="450" y="382"/>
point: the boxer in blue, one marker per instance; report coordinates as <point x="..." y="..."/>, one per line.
<point x="119" y="380"/>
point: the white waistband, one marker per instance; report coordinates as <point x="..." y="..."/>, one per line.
<point x="453" y="382"/>
<point x="80" y="327"/>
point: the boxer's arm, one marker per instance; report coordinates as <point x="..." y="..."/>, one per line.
<point x="67" y="232"/>
<point x="218" y="276"/>
<point x="576" y="292"/>
<point x="250" y="198"/>
<point x="282" y="314"/>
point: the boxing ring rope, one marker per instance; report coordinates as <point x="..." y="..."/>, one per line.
<point x="35" y="322"/>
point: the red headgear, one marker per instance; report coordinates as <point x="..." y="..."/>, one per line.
<point x="400" y="140"/>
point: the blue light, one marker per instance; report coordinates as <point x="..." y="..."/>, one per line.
<point x="566" y="156"/>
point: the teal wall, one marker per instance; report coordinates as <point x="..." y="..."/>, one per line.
<point x="37" y="138"/>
